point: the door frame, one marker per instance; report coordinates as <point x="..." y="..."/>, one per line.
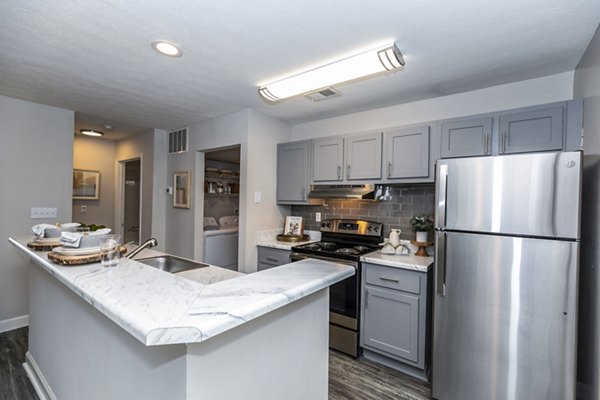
<point x="120" y="194"/>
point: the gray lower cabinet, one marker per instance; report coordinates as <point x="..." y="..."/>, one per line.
<point x="395" y="318"/>
<point x="269" y="257"/>
<point x="466" y="137"/>
<point x="293" y="172"/>
<point x="407" y="152"/>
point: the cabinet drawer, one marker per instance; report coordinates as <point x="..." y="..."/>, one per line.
<point x="273" y="257"/>
<point x="393" y="278"/>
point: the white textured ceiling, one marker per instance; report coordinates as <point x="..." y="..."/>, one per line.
<point x="94" y="56"/>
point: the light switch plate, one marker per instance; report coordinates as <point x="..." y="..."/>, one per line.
<point x="257" y="197"/>
<point x="43" y="213"/>
<point x="318" y="217"/>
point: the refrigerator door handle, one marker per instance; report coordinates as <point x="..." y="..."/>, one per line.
<point x="440" y="264"/>
<point x="442" y="197"/>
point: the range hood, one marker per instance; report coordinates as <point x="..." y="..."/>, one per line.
<point x="356" y="192"/>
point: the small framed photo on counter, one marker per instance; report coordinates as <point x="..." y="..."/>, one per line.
<point x="293" y="226"/>
<point x="86" y="185"/>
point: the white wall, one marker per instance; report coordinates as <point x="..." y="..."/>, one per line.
<point x="587" y="87"/>
<point x="547" y="89"/>
<point x="98" y="155"/>
<point x="257" y="136"/>
<point x="36" y="170"/>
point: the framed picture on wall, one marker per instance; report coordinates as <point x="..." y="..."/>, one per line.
<point x="86" y="185"/>
<point x="181" y="192"/>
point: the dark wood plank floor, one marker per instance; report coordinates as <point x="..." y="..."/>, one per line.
<point x="351" y="378"/>
<point x="14" y="383"/>
<point x="348" y="378"/>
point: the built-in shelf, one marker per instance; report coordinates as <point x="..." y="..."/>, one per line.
<point x="221" y="177"/>
<point x="221" y="194"/>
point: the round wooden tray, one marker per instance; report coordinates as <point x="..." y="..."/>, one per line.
<point x="46" y="246"/>
<point x="77" y="260"/>
<point x="292" y="238"/>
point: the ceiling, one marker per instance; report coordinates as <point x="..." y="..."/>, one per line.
<point x="94" y="56"/>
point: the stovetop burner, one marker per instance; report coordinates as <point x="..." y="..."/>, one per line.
<point x="345" y="239"/>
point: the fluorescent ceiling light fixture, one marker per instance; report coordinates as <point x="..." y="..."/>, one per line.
<point x="376" y="61"/>
<point x="91" y="132"/>
<point x="167" y="48"/>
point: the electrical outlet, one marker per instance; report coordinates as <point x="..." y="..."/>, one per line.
<point x="43" y="213"/>
<point x="318" y="217"/>
<point x="84" y="209"/>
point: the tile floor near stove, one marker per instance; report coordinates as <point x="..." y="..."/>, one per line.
<point x="348" y="378"/>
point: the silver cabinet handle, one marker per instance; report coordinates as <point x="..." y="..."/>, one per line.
<point x="348" y="172"/>
<point x="504" y="135"/>
<point x="440" y="264"/>
<point x="303" y="193"/>
<point x="272" y="259"/>
<point x="368" y="298"/>
<point x="339" y="174"/>
<point x="389" y="169"/>
<point x="385" y="278"/>
<point x="485" y="143"/>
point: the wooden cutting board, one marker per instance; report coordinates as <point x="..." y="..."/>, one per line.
<point x="77" y="260"/>
<point x="47" y="246"/>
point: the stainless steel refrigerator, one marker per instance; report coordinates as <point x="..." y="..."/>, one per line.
<point x="506" y="277"/>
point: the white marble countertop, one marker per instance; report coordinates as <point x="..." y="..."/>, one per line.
<point x="412" y="262"/>
<point x="269" y="239"/>
<point x="160" y="308"/>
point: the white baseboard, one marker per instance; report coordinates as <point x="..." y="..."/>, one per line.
<point x="37" y="379"/>
<point x="14" y="323"/>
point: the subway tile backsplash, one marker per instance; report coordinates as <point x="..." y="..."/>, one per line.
<point x="407" y="201"/>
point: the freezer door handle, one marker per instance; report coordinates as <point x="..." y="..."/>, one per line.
<point x="442" y="194"/>
<point x="440" y="264"/>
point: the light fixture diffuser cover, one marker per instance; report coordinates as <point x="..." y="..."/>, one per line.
<point x="91" y="132"/>
<point x="380" y="60"/>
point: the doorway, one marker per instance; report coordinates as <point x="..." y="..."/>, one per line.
<point x="221" y="207"/>
<point x="131" y="175"/>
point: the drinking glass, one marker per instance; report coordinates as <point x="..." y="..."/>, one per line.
<point x="110" y="250"/>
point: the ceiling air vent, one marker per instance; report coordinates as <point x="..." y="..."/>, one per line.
<point x="322" y="94"/>
<point x="178" y="141"/>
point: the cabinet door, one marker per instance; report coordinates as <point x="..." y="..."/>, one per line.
<point x="466" y="137"/>
<point x="407" y="152"/>
<point x="363" y="156"/>
<point x="328" y="158"/>
<point x="292" y="172"/>
<point x="391" y="322"/>
<point x="538" y="130"/>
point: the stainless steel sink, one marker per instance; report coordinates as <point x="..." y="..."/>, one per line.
<point x="171" y="264"/>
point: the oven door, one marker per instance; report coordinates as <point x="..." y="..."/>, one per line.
<point x="343" y="296"/>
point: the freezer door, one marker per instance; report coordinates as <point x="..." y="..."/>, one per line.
<point x="526" y="194"/>
<point x="505" y="318"/>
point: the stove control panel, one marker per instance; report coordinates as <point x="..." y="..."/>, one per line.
<point x="353" y="227"/>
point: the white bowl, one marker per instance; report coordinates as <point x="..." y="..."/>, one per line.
<point x="55" y="232"/>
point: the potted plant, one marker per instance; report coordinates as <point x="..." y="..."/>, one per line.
<point x="421" y="224"/>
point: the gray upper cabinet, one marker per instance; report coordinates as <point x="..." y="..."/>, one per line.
<point x="528" y="131"/>
<point x="328" y="159"/>
<point x="363" y="156"/>
<point x="407" y="152"/>
<point x="466" y="137"/>
<point x="347" y="158"/>
<point x="293" y="172"/>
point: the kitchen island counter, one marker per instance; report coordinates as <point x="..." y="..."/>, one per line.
<point x="133" y="331"/>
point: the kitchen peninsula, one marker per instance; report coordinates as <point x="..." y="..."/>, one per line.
<point x="137" y="332"/>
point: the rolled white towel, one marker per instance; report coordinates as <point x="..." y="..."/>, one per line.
<point x="40" y="229"/>
<point x="70" y="239"/>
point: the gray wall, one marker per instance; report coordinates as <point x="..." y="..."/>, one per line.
<point x="142" y="145"/>
<point x="98" y="155"/>
<point x="36" y="167"/>
<point x="407" y="201"/>
<point x="587" y="86"/>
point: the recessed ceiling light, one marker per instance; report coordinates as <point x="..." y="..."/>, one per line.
<point x="91" y="132"/>
<point x="167" y="48"/>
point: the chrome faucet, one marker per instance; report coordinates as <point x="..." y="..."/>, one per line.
<point x="148" y="243"/>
